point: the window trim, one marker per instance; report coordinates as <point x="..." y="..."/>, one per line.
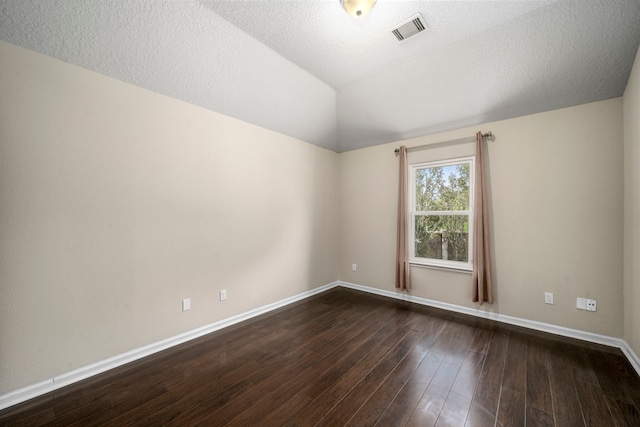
<point x="411" y="212"/>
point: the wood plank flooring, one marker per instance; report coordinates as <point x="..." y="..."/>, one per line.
<point x="348" y="358"/>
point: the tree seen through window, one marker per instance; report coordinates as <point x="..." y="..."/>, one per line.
<point x="442" y="212"/>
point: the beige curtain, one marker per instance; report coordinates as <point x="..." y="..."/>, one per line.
<point x="481" y="278"/>
<point x="403" y="278"/>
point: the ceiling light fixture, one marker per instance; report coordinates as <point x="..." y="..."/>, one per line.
<point x="357" y="7"/>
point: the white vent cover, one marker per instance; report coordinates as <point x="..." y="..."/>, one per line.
<point x="409" y="27"/>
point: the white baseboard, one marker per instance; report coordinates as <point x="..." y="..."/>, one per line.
<point x="34" y="390"/>
<point x="631" y="355"/>
<point x="530" y="324"/>
<point x="633" y="358"/>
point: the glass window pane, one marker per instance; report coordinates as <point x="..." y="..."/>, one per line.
<point x="443" y="188"/>
<point x="444" y="237"/>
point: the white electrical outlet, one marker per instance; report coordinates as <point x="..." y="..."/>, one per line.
<point x="223" y="295"/>
<point x="186" y="304"/>
<point x="548" y="297"/>
<point x="586" y="304"/>
<point x="354" y="267"/>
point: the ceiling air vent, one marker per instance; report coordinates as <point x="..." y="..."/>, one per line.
<point x="409" y="27"/>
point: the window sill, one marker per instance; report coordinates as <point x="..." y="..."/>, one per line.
<point x="465" y="270"/>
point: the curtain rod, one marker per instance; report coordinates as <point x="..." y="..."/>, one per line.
<point x="489" y="135"/>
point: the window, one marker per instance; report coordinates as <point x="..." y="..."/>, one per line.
<point x="441" y="209"/>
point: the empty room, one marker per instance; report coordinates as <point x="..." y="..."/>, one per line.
<point x="320" y="213"/>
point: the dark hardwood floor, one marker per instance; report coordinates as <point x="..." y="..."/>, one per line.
<point x="349" y="358"/>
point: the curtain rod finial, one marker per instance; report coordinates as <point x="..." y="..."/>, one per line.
<point x="490" y="136"/>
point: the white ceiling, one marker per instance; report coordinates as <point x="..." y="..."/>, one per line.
<point x="307" y="69"/>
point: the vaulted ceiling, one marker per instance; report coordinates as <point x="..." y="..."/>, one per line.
<point x="309" y="70"/>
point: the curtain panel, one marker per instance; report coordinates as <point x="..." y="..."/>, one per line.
<point x="403" y="276"/>
<point x="481" y="278"/>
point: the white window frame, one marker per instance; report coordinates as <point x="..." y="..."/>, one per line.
<point x="433" y="262"/>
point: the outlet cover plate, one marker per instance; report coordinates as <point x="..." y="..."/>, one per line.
<point x="223" y="295"/>
<point x="548" y="297"/>
<point x="186" y="304"/>
<point x="591" y="305"/>
<point x="581" y="303"/>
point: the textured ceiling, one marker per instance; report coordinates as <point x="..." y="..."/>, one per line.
<point x="309" y="70"/>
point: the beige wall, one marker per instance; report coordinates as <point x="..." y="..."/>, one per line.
<point x="116" y="203"/>
<point x="632" y="208"/>
<point x="556" y="207"/>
